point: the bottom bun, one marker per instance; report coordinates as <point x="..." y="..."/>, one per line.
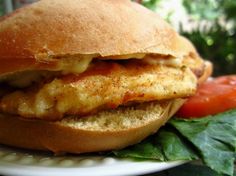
<point x="107" y="130"/>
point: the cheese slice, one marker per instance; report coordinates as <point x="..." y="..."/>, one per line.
<point x="77" y="65"/>
<point x="170" y="61"/>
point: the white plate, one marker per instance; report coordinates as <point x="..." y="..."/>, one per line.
<point x="27" y="163"/>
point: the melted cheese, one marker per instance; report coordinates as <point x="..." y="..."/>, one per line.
<point x="77" y="65"/>
<point x="171" y="61"/>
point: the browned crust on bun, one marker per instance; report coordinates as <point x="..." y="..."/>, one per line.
<point x="127" y="126"/>
<point x="37" y="36"/>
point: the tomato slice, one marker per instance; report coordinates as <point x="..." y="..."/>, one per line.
<point x="212" y="97"/>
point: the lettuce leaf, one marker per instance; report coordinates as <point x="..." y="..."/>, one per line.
<point x="214" y="137"/>
<point x="211" y="139"/>
<point x="173" y="146"/>
<point x="144" y="150"/>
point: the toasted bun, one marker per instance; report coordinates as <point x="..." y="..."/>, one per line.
<point x="108" y="130"/>
<point x="35" y="36"/>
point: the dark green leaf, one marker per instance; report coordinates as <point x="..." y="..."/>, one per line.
<point x="174" y="148"/>
<point x="144" y="150"/>
<point x="215" y="138"/>
<point x="212" y="139"/>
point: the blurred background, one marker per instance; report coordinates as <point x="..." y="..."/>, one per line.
<point x="209" y="24"/>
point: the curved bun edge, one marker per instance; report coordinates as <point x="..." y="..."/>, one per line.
<point x="35" y="37"/>
<point x="60" y="137"/>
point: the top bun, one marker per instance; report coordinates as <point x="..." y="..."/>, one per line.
<point x="32" y="36"/>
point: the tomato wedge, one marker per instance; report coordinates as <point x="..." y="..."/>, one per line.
<point x="212" y="97"/>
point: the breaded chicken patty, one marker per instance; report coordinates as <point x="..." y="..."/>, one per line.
<point x="104" y="85"/>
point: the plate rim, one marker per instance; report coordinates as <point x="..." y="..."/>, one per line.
<point x="143" y="167"/>
<point x="101" y="165"/>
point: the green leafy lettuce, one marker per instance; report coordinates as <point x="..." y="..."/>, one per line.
<point x="211" y="139"/>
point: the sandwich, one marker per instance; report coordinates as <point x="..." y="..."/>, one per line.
<point x="83" y="76"/>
